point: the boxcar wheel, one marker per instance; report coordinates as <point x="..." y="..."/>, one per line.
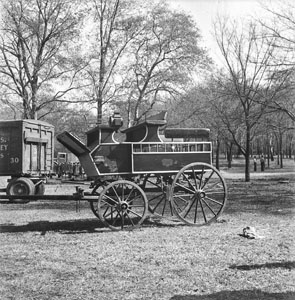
<point x="20" y="186"/>
<point x="122" y="205"/>
<point x="198" y="194"/>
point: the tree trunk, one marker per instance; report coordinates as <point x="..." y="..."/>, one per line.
<point x="281" y="149"/>
<point x="229" y="155"/>
<point x="247" y="155"/>
<point x="217" y="153"/>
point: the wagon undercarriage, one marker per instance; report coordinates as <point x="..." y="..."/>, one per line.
<point x="196" y="195"/>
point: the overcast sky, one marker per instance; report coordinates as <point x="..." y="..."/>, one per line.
<point x="204" y="12"/>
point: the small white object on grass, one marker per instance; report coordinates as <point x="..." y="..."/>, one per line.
<point x="249" y="232"/>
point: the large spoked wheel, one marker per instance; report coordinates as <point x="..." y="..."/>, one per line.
<point x="157" y="191"/>
<point x="198" y="194"/>
<point x="20" y="186"/>
<point x="93" y="204"/>
<point x="122" y="205"/>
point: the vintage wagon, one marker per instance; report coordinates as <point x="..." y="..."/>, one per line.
<point x="156" y="171"/>
<point x="149" y="173"/>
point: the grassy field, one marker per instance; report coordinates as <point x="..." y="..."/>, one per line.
<point x="49" y="250"/>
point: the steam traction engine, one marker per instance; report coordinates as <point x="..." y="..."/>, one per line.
<point x="149" y="173"/>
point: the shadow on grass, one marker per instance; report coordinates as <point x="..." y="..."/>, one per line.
<point x="74" y="226"/>
<point x="241" y="295"/>
<point x="71" y="226"/>
<point x="285" y="265"/>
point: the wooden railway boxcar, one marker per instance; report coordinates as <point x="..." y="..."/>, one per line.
<point x="26" y="148"/>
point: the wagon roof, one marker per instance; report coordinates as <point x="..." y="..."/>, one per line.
<point x="9" y="122"/>
<point x="186" y="132"/>
<point x="147" y="122"/>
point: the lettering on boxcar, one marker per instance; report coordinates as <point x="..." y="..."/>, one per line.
<point x="3" y="147"/>
<point x="3" y="139"/>
<point x="14" y="160"/>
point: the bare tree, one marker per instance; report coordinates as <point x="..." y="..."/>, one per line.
<point x="140" y="55"/>
<point x="280" y="26"/>
<point x="114" y="25"/>
<point x="164" y="58"/>
<point x="34" y="43"/>
<point x="250" y="83"/>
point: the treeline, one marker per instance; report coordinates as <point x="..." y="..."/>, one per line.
<point x="72" y="63"/>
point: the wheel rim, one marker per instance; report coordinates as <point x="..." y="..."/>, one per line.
<point x="198" y="194"/>
<point x="21" y="186"/>
<point x="93" y="204"/>
<point x="157" y="191"/>
<point x="122" y="205"/>
<point x="20" y="189"/>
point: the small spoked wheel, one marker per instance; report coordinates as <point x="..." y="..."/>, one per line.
<point x="122" y="205"/>
<point x="198" y="194"/>
<point x="157" y="191"/>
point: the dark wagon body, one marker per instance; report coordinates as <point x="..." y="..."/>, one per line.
<point x="157" y="169"/>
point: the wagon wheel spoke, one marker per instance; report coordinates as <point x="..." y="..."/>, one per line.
<point x="215" y="201"/>
<point x="114" y="220"/>
<point x="110" y="213"/>
<point x="127" y="203"/>
<point x="189" y="182"/>
<point x="96" y="191"/>
<point x="116" y="194"/>
<point x="153" y="209"/>
<point x="210" y="208"/>
<point x="156" y="188"/>
<point x="195" y="176"/>
<point x="130" y="219"/>
<point x="204" y="215"/>
<point x="202" y="172"/>
<point x="133" y="212"/>
<point x="200" y="198"/>
<point x="189" y="208"/>
<point x="196" y="211"/>
<point x="184" y="187"/>
<point x="207" y="180"/>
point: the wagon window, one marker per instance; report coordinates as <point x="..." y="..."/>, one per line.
<point x="145" y="148"/>
<point x="136" y="148"/>
<point x="153" y="148"/>
<point x="207" y="147"/>
<point x="185" y="147"/>
<point x="200" y="147"/>
<point x="161" y="148"/>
